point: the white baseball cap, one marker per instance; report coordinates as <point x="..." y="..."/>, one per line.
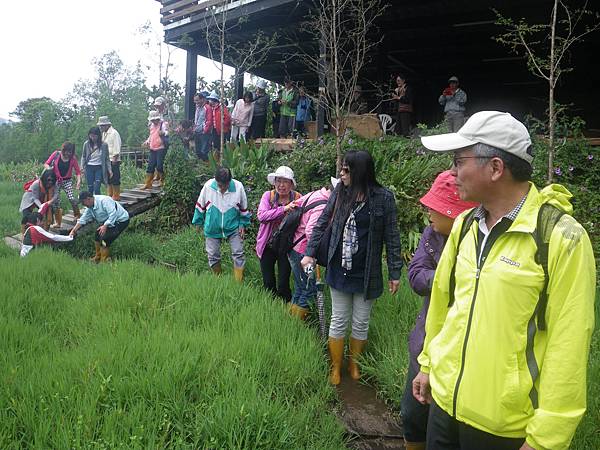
<point x="282" y="172"/>
<point x="494" y="128"/>
<point x="158" y="101"/>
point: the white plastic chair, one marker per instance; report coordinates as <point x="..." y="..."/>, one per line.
<point x="386" y="123"/>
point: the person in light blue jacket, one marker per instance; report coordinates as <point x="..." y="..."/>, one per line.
<point x="222" y="210"/>
<point x="107" y="212"/>
<point x="302" y="112"/>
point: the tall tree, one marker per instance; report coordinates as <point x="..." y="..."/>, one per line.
<point x="547" y="47"/>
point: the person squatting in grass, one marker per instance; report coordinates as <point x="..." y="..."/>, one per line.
<point x="511" y="315"/>
<point x="222" y="210"/>
<point x="444" y="205"/>
<point x="35" y="234"/>
<point x="305" y="288"/>
<point x="274" y="205"/>
<point x="40" y="194"/>
<point x="361" y="215"/>
<point x="63" y="162"/>
<point x="112" y="217"/>
<point x="95" y="162"/>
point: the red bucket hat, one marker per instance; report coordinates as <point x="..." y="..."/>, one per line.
<point x="443" y="196"/>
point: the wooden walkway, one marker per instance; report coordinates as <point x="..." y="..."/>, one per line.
<point x="134" y="200"/>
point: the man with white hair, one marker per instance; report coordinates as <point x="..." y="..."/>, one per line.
<point x="113" y="140"/>
<point x="512" y="305"/>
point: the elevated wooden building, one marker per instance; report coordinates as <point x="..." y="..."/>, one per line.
<point x="427" y="40"/>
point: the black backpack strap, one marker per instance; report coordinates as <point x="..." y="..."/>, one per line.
<point x="548" y="217"/>
<point x="464" y="229"/>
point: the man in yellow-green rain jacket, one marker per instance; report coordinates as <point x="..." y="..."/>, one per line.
<point x="502" y="368"/>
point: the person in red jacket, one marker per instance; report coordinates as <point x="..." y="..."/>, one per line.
<point x="35" y="235"/>
<point x="215" y="103"/>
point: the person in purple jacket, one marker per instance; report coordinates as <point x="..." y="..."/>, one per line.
<point x="444" y="206"/>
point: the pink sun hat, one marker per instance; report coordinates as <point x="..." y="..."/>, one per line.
<point x="443" y="196"/>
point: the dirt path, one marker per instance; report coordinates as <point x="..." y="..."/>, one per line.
<point x="367" y="418"/>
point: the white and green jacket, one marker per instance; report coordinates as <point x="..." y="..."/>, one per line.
<point x="221" y="215"/>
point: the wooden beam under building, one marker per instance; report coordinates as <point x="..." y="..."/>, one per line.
<point x="191" y="74"/>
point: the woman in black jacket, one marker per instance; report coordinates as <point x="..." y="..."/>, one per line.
<point x="362" y="216"/>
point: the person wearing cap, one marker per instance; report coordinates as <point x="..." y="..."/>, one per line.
<point x="241" y="117"/>
<point x="203" y="125"/>
<point x="361" y="216"/>
<point x="216" y="106"/>
<point x="95" y="161"/>
<point x="305" y="288"/>
<point x="107" y="212"/>
<point x="156" y="144"/>
<point x="113" y="140"/>
<point x="274" y="205"/>
<point x="222" y="209"/>
<point x="288" y="102"/>
<point x="507" y="338"/>
<point x="444" y="205"/>
<point x="160" y="105"/>
<point x="261" y="105"/>
<point x="454" y="99"/>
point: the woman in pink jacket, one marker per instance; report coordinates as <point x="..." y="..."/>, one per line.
<point x="305" y="288"/>
<point x="63" y="163"/>
<point x="274" y="205"/>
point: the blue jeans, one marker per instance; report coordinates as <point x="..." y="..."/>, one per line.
<point x="202" y="142"/>
<point x="156" y="161"/>
<point x="305" y="289"/>
<point x="93" y="175"/>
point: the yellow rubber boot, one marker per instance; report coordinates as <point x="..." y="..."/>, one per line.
<point x="298" y="311"/>
<point x="336" y="354"/>
<point x="356" y="348"/>
<point x="238" y="274"/>
<point x="76" y="212"/>
<point x="148" y="181"/>
<point x="161" y="179"/>
<point x="104" y="254"/>
<point x="156" y="175"/>
<point x="116" y="194"/>
<point x="216" y="269"/>
<point x="109" y="190"/>
<point x="57" y="218"/>
<point x="414" y="445"/>
<point x="96" y="257"/>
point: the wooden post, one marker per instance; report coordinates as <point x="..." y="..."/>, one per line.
<point x="322" y="87"/>
<point x="238" y="88"/>
<point x="191" y="74"/>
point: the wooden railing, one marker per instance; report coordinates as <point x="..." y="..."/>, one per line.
<point x="174" y="10"/>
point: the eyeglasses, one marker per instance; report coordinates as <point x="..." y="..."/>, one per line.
<point x="457" y="159"/>
<point x="345" y="169"/>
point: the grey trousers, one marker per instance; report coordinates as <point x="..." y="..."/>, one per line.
<point x="286" y="126"/>
<point x="455" y="120"/>
<point x="213" y="250"/>
<point x="345" y="305"/>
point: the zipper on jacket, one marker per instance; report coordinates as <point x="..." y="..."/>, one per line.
<point x="498" y="230"/>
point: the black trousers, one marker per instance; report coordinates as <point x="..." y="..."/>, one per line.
<point x="281" y="287"/>
<point x="115" y="180"/>
<point x="112" y="233"/>
<point x="414" y="414"/>
<point x="403" y="124"/>
<point x="446" y="433"/>
<point x="257" y="128"/>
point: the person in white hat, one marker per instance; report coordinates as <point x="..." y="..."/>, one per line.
<point x="215" y="103"/>
<point x="512" y="304"/>
<point x="261" y="105"/>
<point x="113" y="140"/>
<point x="158" y="150"/>
<point x="274" y="205"/>
<point x="454" y="99"/>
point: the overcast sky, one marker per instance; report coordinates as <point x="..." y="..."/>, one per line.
<point x="47" y="45"/>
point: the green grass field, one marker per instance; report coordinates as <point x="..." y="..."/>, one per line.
<point x="132" y="356"/>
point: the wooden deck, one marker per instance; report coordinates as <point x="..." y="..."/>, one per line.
<point x="134" y="200"/>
